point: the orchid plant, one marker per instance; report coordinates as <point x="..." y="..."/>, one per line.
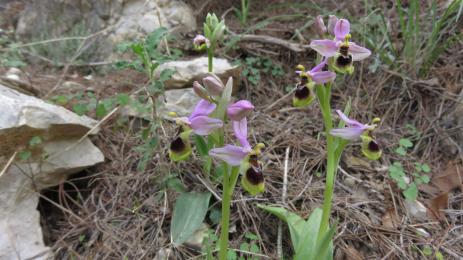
<point x="337" y="55"/>
<point x="209" y="119"/>
<point x="213" y="34"/>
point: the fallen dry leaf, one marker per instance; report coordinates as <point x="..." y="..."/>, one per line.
<point x="438" y="204"/>
<point x="446" y="180"/>
<point x="352" y="253"/>
<point x="390" y="219"/>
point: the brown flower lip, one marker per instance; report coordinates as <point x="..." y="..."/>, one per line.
<point x="177" y="145"/>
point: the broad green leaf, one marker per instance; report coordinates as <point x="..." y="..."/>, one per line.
<point x="307" y="247"/>
<point x="190" y="210"/>
<point x="297" y="225"/>
<point x="406" y="143"/>
<point x="175" y="184"/>
<point x="201" y="146"/>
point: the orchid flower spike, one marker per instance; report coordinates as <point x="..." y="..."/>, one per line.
<point x="355" y="130"/>
<point x="243" y="156"/>
<point x="304" y="94"/>
<point x="200" y="42"/>
<point x="344" y="51"/>
<point x="199" y="123"/>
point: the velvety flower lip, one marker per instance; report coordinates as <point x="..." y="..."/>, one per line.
<point x="239" y="110"/>
<point x="231" y="154"/>
<point x="354" y="129"/>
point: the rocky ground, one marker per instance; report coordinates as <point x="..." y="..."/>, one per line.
<point x="116" y="209"/>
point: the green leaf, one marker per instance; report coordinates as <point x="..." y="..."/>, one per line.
<point x="215" y="215"/>
<point x="254" y="248"/>
<point x="201" y="146"/>
<point x="425" y="179"/>
<point x="175" y="184"/>
<point x="80" y="109"/>
<point x="231" y="255"/>
<point x="251" y="236"/>
<point x="24" y="155"/>
<point x="297" y="225"/>
<point x="307" y="247"/>
<point x="189" y="212"/>
<point x="411" y="193"/>
<point x="425" y="168"/>
<point x="123" y="99"/>
<point x="101" y="110"/>
<point x="427" y="250"/>
<point x="400" y="151"/>
<point x="244" y="246"/>
<point x="35" y="140"/>
<point x="405" y="142"/>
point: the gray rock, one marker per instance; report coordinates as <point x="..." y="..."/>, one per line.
<point x="180" y="101"/>
<point x="22" y="118"/>
<point x="196" y="69"/>
<point x="128" y="19"/>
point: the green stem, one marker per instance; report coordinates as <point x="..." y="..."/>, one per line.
<point x="331" y="163"/>
<point x="210" y="57"/>
<point x="229" y="182"/>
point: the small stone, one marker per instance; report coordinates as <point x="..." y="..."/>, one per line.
<point x="188" y="71"/>
<point x="416" y="209"/>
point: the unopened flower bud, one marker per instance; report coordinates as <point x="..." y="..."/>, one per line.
<point x="239" y="110"/>
<point x="332" y="20"/>
<point x="214" y="85"/>
<point x="319" y="26"/>
<point x="200" y="91"/>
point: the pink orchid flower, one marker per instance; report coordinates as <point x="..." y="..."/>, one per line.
<point x="319" y="76"/>
<point x="353" y="130"/>
<point x="340" y="47"/>
<point x="199" y="119"/>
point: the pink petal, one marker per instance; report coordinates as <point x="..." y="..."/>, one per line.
<point x="204" y="125"/>
<point x="323" y="76"/>
<point x="327" y="48"/>
<point x="241" y="132"/>
<point x="341" y="29"/>
<point x="231" y="154"/>
<point x="239" y="110"/>
<point x="350" y="122"/>
<point x="348" y="133"/>
<point x="358" y="52"/>
<point x="203" y="108"/>
<point x="332" y="20"/>
<point x="320" y="66"/>
<point x="214" y="85"/>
